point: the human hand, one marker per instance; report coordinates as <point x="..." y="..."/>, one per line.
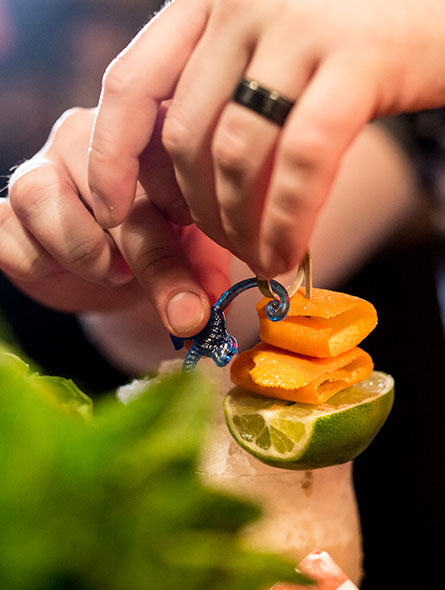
<point x="55" y="251"/>
<point x="250" y="185"/>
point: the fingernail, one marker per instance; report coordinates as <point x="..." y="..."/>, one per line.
<point x="185" y="312"/>
<point x="102" y="211"/>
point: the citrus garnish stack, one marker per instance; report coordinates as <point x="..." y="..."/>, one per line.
<point x="307" y="396"/>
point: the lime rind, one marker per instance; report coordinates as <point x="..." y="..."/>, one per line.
<point x="303" y="436"/>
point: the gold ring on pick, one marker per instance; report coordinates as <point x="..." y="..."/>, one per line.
<point x="304" y="272"/>
<point x="265" y="288"/>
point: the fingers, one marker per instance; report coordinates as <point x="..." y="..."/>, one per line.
<point x="41" y="248"/>
<point x="223" y="153"/>
<point x="38" y="275"/>
<point x="244" y="143"/>
<point x="56" y="251"/>
<point x="251" y="186"/>
<point x="21" y="256"/>
<point x="49" y="218"/>
<point x="157" y="176"/>
<point x="133" y="87"/>
<point x="307" y="157"/>
<point x="153" y="251"/>
<point x="205" y="86"/>
<point x="46" y="203"/>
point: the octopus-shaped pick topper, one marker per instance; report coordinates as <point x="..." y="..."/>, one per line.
<point x="213" y="341"/>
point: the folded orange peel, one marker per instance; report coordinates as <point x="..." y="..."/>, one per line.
<point x="326" y="325"/>
<point x="312" y="354"/>
<point x="277" y="373"/>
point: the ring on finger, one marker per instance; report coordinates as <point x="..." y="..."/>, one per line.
<point x="269" y="104"/>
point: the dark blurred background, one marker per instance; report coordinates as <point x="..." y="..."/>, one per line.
<point x="52" y="57"/>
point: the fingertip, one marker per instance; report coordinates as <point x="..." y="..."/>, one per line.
<point x="186" y="313"/>
<point x="112" y="181"/>
<point x="274" y="262"/>
<point x="106" y="214"/>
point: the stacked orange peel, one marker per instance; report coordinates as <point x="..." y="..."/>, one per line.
<point x="312" y="354"/>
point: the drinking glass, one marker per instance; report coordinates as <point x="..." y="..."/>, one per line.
<point x="301" y="510"/>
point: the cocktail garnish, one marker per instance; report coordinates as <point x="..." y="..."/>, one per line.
<point x="214" y="342"/>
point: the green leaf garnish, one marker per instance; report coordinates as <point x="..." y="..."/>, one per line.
<point x="114" y="501"/>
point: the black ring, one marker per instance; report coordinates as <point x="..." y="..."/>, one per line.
<point x="268" y="103"/>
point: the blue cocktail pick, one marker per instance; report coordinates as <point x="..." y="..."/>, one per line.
<point x="213" y="341"/>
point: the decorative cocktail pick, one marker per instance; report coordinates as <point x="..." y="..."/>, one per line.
<point x="214" y="342"/>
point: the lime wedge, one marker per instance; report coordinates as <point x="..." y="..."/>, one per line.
<point x="305" y="436"/>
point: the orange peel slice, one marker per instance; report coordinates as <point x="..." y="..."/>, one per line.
<point x="326" y="325"/>
<point x="273" y="372"/>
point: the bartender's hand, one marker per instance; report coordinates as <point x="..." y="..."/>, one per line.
<point x="250" y="185"/>
<point x="54" y="250"/>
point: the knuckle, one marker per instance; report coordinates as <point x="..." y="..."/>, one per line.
<point x="21" y="182"/>
<point x="33" y="268"/>
<point x="155" y="261"/>
<point x="288" y="204"/>
<point x="239" y="233"/>
<point x="25" y="261"/>
<point x="281" y="218"/>
<point x="305" y="150"/>
<point x="73" y="119"/>
<point x="176" y="137"/>
<point x="118" y="77"/>
<point x="30" y="192"/>
<point x="85" y="253"/>
<point x="227" y="11"/>
<point x="231" y="151"/>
